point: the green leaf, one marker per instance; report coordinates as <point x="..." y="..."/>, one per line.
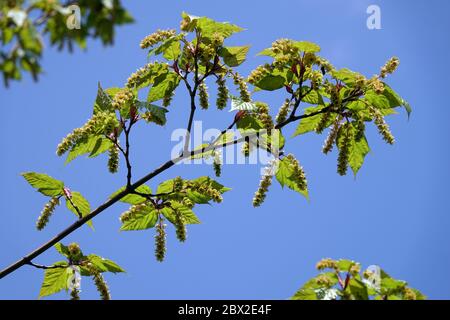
<point x="133" y="199"/>
<point x="267" y="52"/>
<point x="62" y="249"/>
<point x="306" y="46"/>
<point x="170" y="48"/>
<point x="238" y="104"/>
<point x="376" y="100"/>
<point x="358" y="151"/>
<point x="234" y="56"/>
<point x="55" y="279"/>
<point x="345" y="265"/>
<point x="312" y="96"/>
<point x="103" y="101"/>
<point x="347" y="76"/>
<point x="309" y="124"/>
<point x="307" y="291"/>
<point x="158" y="113"/>
<point x="164" y="84"/>
<point x="395" y="100"/>
<point x="249" y="124"/>
<point x="285" y="176"/>
<point x="209" y="27"/>
<point x="144" y="219"/>
<point x="188" y="215"/>
<point x="104" y="265"/>
<point x="93" y="146"/>
<point x="44" y="183"/>
<point x="81" y="204"/>
<point x="358" y="289"/>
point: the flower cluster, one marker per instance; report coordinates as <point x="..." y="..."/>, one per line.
<point x="48" y="210"/>
<point x="389" y="67"/>
<point x="142" y="74"/>
<point x="377" y="85"/>
<point x="265" y="183"/>
<point x="331" y="138"/>
<point x="74" y="294"/>
<point x="203" y="95"/>
<point x="177" y="184"/>
<point x="188" y="202"/>
<point x="246" y="149"/>
<point x="324" y="280"/>
<point x="160" y="240"/>
<point x="409" y="294"/>
<point x="243" y="88"/>
<point x="316" y="79"/>
<point x="344" y="150"/>
<point x="130" y="213"/>
<point x="323" y="123"/>
<point x="283" y="112"/>
<point x="285" y="51"/>
<point x="180" y="226"/>
<point x="122" y="98"/>
<point x="101" y="122"/>
<point x="222" y="94"/>
<point x="264" y="116"/>
<point x="209" y="191"/>
<point x="259" y="73"/>
<point x="113" y="159"/>
<point x="383" y="127"/>
<point x="355" y="269"/>
<point x="326" y="264"/>
<point x="158" y="36"/>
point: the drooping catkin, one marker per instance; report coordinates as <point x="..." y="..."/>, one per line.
<point x="298" y="174"/>
<point x="283" y="112"/>
<point x="74" y="294"/>
<point x="344" y="150"/>
<point x="180" y="226"/>
<point x="242" y="87"/>
<point x="217" y="162"/>
<point x="323" y="123"/>
<point x="46" y="213"/>
<point x="203" y="96"/>
<point x="383" y="127"/>
<point x="222" y="93"/>
<point x="154" y="38"/>
<point x="160" y="240"/>
<point x="264" y="184"/>
<point x="331" y="138"/>
<point x="113" y="159"/>
<point x="99" y="282"/>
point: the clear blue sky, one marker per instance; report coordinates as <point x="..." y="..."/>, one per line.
<point x="395" y="214"/>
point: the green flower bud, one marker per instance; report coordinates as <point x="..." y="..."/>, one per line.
<point x="154" y="38"/>
<point x="409" y="294"/>
<point x="122" y="98"/>
<point x="383" y="127"/>
<point x="222" y="94"/>
<point x="324" y="280"/>
<point x="389" y="67"/>
<point x="329" y="142"/>
<point x="113" y="160"/>
<point x="46" y="213"/>
<point x="160" y="241"/>
<point x="203" y="95"/>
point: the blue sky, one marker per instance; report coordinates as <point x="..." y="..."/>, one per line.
<point x="395" y="214"/>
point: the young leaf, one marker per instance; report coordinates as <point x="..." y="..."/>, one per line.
<point x="309" y="124"/>
<point x="81" y="205"/>
<point x="158" y="114"/>
<point x="133" y="199"/>
<point x="103" y="101"/>
<point x="93" y="146"/>
<point x="163" y="85"/>
<point x="234" y="56"/>
<point x="62" y="249"/>
<point x="55" y="279"/>
<point x="44" y="183"/>
<point x="358" y="289"/>
<point x="307" y="46"/>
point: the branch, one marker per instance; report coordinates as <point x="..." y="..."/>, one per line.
<point x="40" y="266"/>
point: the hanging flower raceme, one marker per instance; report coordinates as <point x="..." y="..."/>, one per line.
<point x="99" y="282"/>
<point x="264" y="116"/>
<point x="344" y="150"/>
<point x="383" y="127"/>
<point x="130" y="213"/>
<point x="209" y="191"/>
<point x="323" y="123"/>
<point x="259" y="73"/>
<point x="46" y="213"/>
<point x="203" y="95"/>
<point x="331" y="138"/>
<point x="122" y="98"/>
<point x="376" y="84"/>
<point x="222" y="94"/>
<point x="160" y="240"/>
<point x="188" y="202"/>
<point x="298" y="174"/>
<point x="180" y="226"/>
<point x="113" y="159"/>
<point x="158" y="36"/>
<point x="177" y="184"/>
<point x="246" y="149"/>
<point x="326" y="264"/>
<point x="265" y="183"/>
<point x="217" y="162"/>
<point x="142" y="75"/>
<point x="283" y="112"/>
<point x="243" y="88"/>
